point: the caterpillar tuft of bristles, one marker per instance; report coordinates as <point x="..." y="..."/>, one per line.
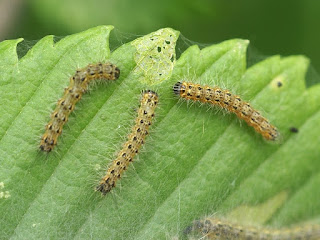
<point x="78" y="85"/>
<point x="135" y="140"/>
<point x="212" y="228"/>
<point x="232" y="103"/>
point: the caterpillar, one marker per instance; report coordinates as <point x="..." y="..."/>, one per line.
<point x="232" y="103"/>
<point x="212" y="228"/>
<point x="72" y="94"/>
<point x="135" y="140"/>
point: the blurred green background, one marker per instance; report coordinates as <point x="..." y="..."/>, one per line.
<point x="283" y="27"/>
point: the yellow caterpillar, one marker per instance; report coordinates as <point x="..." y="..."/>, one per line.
<point x="230" y="102"/>
<point x="135" y="140"/>
<point x="78" y="85"/>
<point x="212" y="228"/>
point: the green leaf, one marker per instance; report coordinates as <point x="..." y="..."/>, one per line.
<point x="197" y="161"/>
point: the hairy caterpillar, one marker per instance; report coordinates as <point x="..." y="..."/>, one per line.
<point x="228" y="101"/>
<point x="135" y="140"/>
<point x="211" y="228"/>
<point x="72" y="94"/>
